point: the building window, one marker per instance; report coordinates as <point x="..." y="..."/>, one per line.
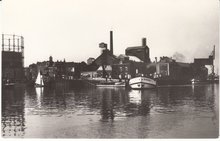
<point x="126" y="68"/>
<point x="136" y="71"/>
<point x="120" y="69"/>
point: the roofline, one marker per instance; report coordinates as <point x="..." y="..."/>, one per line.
<point x="136" y="47"/>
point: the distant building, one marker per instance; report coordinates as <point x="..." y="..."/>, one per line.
<point x="169" y="69"/>
<point x="128" y="66"/>
<point x="141" y="52"/>
<point x="203" y="61"/>
<point x="53" y="71"/>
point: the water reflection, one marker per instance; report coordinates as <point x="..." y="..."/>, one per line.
<point x="156" y="111"/>
<point x="135" y="96"/>
<point x="116" y="104"/>
<point x="13" y="119"/>
<point x="39" y="93"/>
<point x="110" y="102"/>
<point x="140" y="102"/>
<point x="107" y="105"/>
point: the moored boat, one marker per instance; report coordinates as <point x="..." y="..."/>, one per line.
<point x="111" y="84"/>
<point x="142" y="83"/>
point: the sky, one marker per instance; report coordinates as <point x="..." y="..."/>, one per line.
<point x="73" y="29"/>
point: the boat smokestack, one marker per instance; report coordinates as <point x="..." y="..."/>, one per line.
<point x="144" y="42"/>
<point x="111" y="42"/>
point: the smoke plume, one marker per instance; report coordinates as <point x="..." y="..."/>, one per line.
<point x="179" y="57"/>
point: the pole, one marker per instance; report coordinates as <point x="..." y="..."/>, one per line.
<point x="18" y="43"/>
<point x="2" y="42"/>
<point x="13" y="42"/>
<point x="9" y="44"/>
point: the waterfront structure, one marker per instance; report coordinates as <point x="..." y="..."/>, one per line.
<point x="142" y="52"/>
<point x="54" y="71"/>
<point x="199" y="66"/>
<point x="12" y="58"/>
<point x="168" y="69"/>
<point x="201" y="62"/>
<point x="128" y="66"/>
<point x="171" y="72"/>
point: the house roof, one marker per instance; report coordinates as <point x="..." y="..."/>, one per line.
<point x="130" y="57"/>
<point x="136" y="47"/>
<point x="106" y="58"/>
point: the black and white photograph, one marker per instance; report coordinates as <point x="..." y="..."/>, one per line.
<point x="109" y="69"/>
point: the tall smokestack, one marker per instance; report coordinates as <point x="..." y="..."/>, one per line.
<point x="111" y="42"/>
<point x="144" y="42"/>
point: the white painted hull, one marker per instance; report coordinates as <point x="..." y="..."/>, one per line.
<point x="142" y="83"/>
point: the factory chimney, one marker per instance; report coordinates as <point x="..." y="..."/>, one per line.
<point x="111" y="42"/>
<point x="144" y="42"/>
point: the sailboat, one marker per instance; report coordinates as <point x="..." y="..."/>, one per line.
<point x="39" y="81"/>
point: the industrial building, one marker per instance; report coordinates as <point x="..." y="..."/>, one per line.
<point x="200" y="71"/>
<point x="135" y="62"/>
<point x="141" y="52"/>
<point x="168" y="71"/>
<point x="12" y="58"/>
<point x="123" y="66"/>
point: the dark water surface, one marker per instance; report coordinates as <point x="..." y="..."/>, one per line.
<point x="168" y="112"/>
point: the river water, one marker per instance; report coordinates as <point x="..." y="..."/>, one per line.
<point x="168" y="112"/>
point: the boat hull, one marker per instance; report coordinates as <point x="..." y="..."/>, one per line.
<point x="110" y="86"/>
<point x="142" y="83"/>
<point x="121" y="84"/>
